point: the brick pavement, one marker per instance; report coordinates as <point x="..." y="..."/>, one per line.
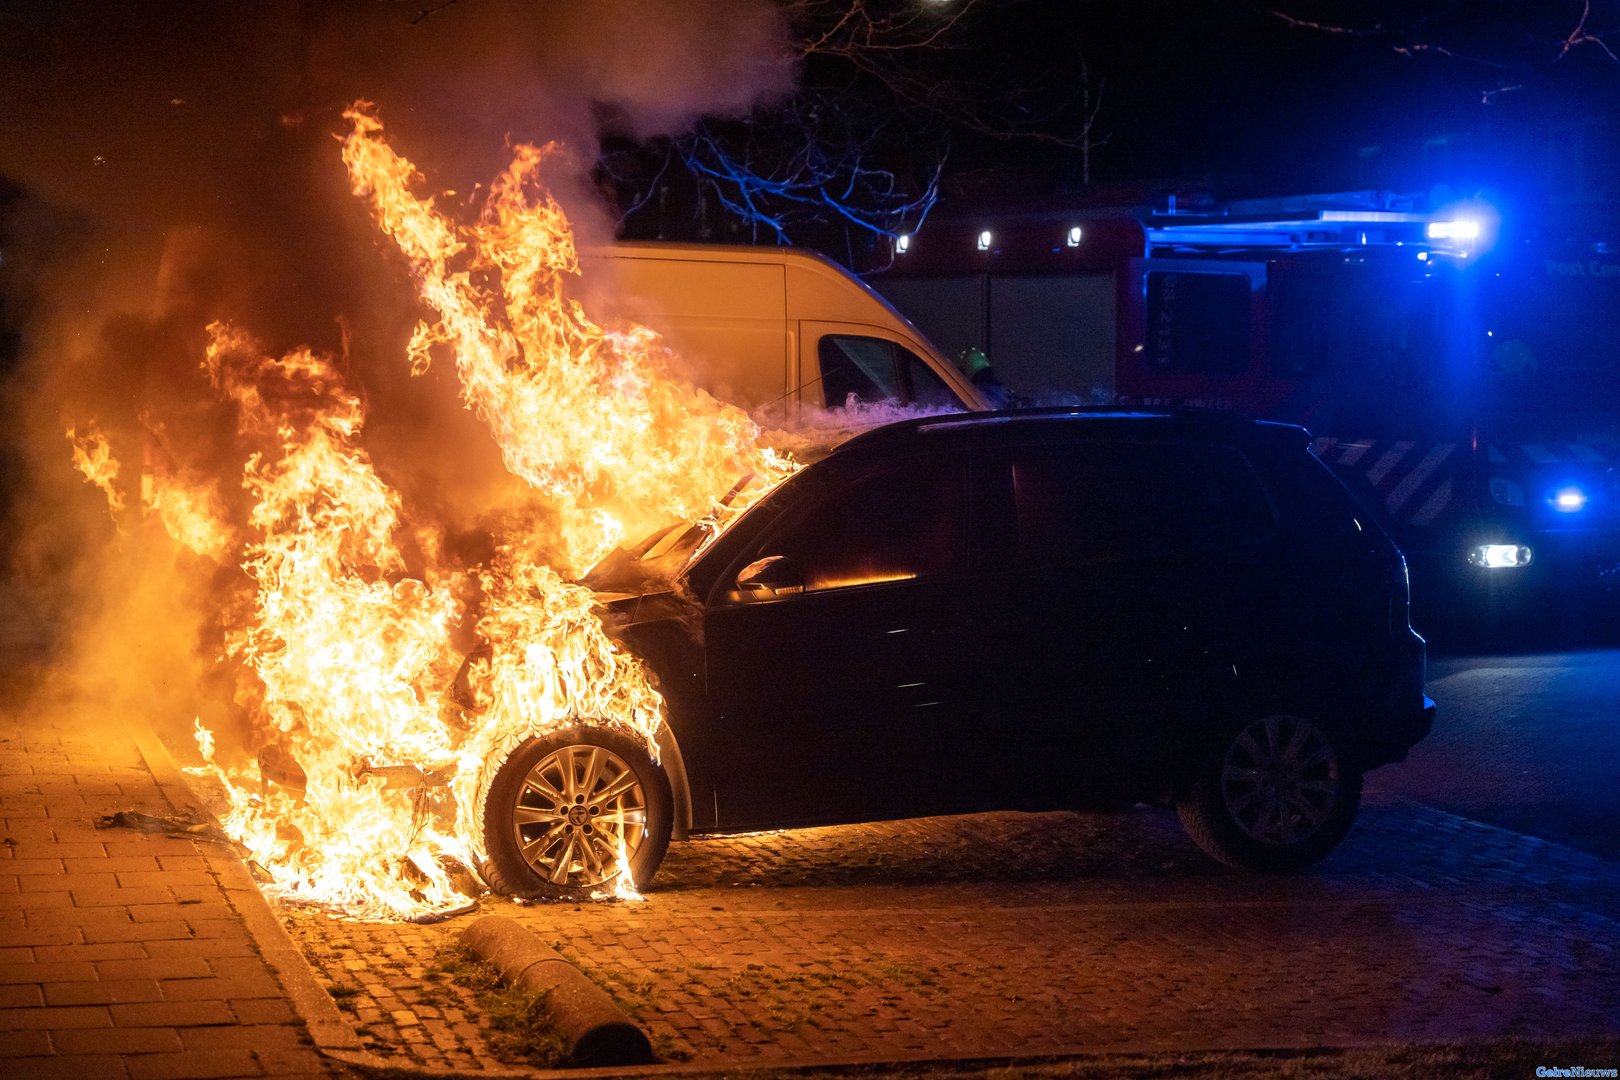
<point x="1005" y="934"/>
<point x="126" y="954"/>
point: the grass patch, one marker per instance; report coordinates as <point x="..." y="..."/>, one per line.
<point x="516" y="1028"/>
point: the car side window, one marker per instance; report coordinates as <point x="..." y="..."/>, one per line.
<point x="1118" y="500"/>
<point x="900" y="524"/>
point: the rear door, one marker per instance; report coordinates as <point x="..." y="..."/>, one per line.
<point x="1127" y="567"/>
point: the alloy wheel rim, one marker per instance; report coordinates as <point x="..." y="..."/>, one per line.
<point x="579" y="807"/>
<point x="1280" y="780"/>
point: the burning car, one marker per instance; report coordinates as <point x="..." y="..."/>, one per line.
<point x="1028" y="610"/>
<point x="1023" y="610"/>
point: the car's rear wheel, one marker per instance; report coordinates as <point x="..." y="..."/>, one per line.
<point x="568" y="811"/>
<point x="1273" y="794"/>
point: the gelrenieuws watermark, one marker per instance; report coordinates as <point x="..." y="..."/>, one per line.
<point x="1573" y="1070"/>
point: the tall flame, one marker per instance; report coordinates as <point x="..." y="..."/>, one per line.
<point x="587" y="415"/>
<point x="369" y="784"/>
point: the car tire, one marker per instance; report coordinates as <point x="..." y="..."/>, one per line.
<point x="558" y="806"/>
<point x="1272" y="795"/>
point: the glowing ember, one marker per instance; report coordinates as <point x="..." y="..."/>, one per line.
<point x="371" y="775"/>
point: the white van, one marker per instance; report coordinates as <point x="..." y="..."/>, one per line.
<point x="773" y="328"/>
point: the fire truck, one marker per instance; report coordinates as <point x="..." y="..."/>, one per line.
<point x="1460" y="373"/>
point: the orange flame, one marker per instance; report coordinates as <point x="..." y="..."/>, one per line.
<point x="587" y="415"/>
<point x="92" y="456"/>
<point x="350" y="652"/>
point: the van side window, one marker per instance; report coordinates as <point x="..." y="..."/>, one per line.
<point x="876" y="369"/>
<point x="926" y="388"/>
<point x="905" y="523"/>
<point x="1119" y="500"/>
<point x="861" y="367"/>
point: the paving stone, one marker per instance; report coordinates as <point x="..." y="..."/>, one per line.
<point x="16" y="994"/>
<point x="75" y="1067"/>
<point x="50" y="1018"/>
<point x="261" y="986"/>
<point x="102" y="992"/>
<point x="143" y="932"/>
<point x="173" y="1014"/>
<point x="117" y="1041"/>
<point x="245" y="1037"/>
<point x="18" y="1044"/>
<point x="60" y="972"/>
<point x="150" y="968"/>
<point x="195" y="1065"/>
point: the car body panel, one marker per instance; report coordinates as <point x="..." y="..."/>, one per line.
<point x="1094" y="674"/>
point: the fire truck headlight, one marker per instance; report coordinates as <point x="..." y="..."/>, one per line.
<point x="1499" y="556"/>
<point x="1506" y="492"/>
<point x="1568" y="500"/>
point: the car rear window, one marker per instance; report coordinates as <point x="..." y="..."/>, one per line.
<point x="1117" y="500"/>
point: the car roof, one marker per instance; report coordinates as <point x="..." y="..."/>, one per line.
<point x="1099" y="422"/>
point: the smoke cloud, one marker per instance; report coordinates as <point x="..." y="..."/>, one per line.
<point x="165" y="164"/>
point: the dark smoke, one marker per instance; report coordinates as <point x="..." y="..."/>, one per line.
<point x="168" y="163"/>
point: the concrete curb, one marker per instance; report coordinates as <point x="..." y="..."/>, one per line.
<point x="594" y="1030"/>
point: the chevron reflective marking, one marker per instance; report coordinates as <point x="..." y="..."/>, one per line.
<point x="1391" y="458"/>
<point x="1495" y="456"/>
<point x="1433" y="505"/>
<point x="1414" y="479"/>
<point x="1584" y="452"/>
<point x="1350" y="453"/>
<point x="1539" y="454"/>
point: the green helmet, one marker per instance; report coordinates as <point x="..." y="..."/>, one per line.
<point x="972" y="361"/>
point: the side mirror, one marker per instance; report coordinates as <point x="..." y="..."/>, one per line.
<point x="768" y="578"/>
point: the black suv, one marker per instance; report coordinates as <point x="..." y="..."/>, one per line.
<point x="1024" y="610"/>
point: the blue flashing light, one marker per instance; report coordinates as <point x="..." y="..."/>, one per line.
<point x="1568" y="500"/>
<point x="1458" y="229"/>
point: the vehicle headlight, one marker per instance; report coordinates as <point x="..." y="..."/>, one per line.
<point x="1499" y="556"/>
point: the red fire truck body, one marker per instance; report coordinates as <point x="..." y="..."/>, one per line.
<point x="1463" y="380"/>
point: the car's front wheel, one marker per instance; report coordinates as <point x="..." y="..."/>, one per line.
<point x="569" y="811"/>
<point x="1273" y="794"/>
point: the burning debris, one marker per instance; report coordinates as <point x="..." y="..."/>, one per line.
<point x="92" y="456"/>
<point x="368" y="786"/>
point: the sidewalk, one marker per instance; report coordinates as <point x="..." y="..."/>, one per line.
<point x="126" y="954"/>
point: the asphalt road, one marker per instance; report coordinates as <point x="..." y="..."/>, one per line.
<point x="1529" y="741"/>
